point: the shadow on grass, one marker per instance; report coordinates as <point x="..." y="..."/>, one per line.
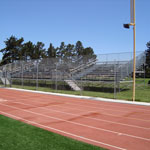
<point x="65" y="87"/>
<point x="104" y="89"/>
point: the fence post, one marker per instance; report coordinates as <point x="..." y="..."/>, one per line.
<point x="22" y="74"/>
<point x="56" y="79"/>
<point x="115" y="79"/>
<point x="11" y="75"/>
<point x="37" y="75"/>
<point x="81" y="89"/>
<point x="144" y="68"/>
<point x="5" y="76"/>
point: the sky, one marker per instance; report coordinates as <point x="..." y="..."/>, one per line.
<point x="96" y="23"/>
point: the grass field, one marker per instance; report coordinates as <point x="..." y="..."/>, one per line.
<point x="142" y="90"/>
<point x="16" y="135"/>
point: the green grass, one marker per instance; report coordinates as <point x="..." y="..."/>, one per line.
<point x="142" y="91"/>
<point x="16" y="135"/>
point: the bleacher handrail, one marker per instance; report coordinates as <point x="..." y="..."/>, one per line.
<point x="83" y="66"/>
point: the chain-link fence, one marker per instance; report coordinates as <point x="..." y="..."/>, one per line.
<point x="108" y="74"/>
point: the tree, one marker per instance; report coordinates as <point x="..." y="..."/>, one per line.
<point x="27" y="51"/>
<point x="66" y="52"/>
<point x="84" y="54"/>
<point x="38" y="52"/>
<point x="79" y="48"/>
<point x="30" y="51"/>
<point x="147" y="67"/>
<point x="11" y="52"/>
<point x="69" y="52"/>
<point x="88" y="54"/>
<point x="61" y="50"/>
<point x="51" y="52"/>
<point x="88" y="51"/>
<point x="16" y="50"/>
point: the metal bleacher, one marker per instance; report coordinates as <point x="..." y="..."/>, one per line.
<point x="95" y="70"/>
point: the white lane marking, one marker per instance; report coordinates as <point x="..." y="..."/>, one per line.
<point x="101" y="129"/>
<point x="61" y="131"/>
<point x="84" y="97"/>
<point x="83" y="102"/>
<point x="2" y="100"/>
<point x="101" y="109"/>
<point x="99" y="104"/>
<point x="104" y="113"/>
<point x="105" y="109"/>
<point x="82" y="115"/>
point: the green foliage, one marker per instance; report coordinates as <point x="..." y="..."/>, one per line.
<point x="51" y="52"/>
<point x="84" y="54"/>
<point x="147" y="67"/>
<point x="27" y="51"/>
<point x="79" y="48"/>
<point x="15" y="50"/>
<point x="12" y="51"/>
<point x="39" y="51"/>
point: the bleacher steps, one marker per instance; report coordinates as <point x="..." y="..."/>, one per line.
<point x="5" y="81"/>
<point x="73" y="85"/>
<point x="84" y="72"/>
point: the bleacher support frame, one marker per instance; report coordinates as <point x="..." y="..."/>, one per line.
<point x="111" y="69"/>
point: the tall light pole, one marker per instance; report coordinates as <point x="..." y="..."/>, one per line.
<point x="132" y="23"/>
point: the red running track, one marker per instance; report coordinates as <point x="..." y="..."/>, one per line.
<point x="110" y="125"/>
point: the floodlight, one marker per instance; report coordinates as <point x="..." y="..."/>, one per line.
<point x="127" y="26"/>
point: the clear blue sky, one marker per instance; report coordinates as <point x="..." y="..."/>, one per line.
<point x="97" y="23"/>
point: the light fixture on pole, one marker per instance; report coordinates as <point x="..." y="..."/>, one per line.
<point x="132" y="18"/>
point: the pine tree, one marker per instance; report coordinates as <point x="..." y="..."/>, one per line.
<point x="147" y="67"/>
<point x="51" y="52"/>
<point x="12" y="50"/>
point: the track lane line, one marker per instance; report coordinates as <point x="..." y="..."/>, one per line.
<point x="101" y="129"/>
<point x="85" y="116"/>
<point x="61" y="131"/>
<point x="104" y="112"/>
<point x="109" y="114"/>
<point x="80" y="99"/>
<point x="104" y="109"/>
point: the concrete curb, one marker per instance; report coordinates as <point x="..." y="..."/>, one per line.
<point x="85" y="97"/>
